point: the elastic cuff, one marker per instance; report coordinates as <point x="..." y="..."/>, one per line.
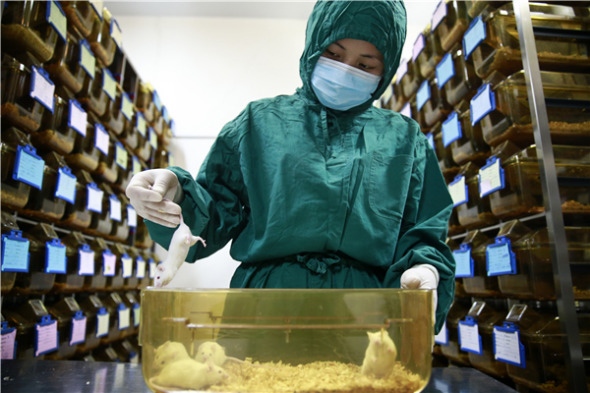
<point x="179" y="195"/>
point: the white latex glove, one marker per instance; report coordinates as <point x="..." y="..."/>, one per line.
<point x="422" y="277"/>
<point x="152" y="194"/>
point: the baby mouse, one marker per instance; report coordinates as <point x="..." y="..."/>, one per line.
<point x="380" y="355"/>
<point x="181" y="242"/>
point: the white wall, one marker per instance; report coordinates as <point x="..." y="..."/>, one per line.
<point x="206" y="70"/>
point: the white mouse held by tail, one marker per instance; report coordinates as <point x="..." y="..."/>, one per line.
<point x="181" y="242"/>
<point x="380" y="355"/>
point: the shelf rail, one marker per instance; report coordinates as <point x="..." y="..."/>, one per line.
<point x="555" y="225"/>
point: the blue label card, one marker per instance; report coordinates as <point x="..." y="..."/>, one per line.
<point x="156" y="100"/>
<point x="439" y="14"/>
<point x="87" y="59"/>
<point x="57" y="18"/>
<point x="140" y="267"/>
<point x="430" y="139"/>
<point x="131" y="217"/>
<point x="126" y="106"/>
<point x="401" y="71"/>
<point x="116" y="33"/>
<point x="109" y="262"/>
<point x="136" y="314"/>
<point x="469" y="338"/>
<point x="78" y="332"/>
<point x="445" y="70"/>
<point x="141" y="124"/>
<point x="152" y="265"/>
<point x="458" y="191"/>
<point x="124" y="317"/>
<point x="474" y="35"/>
<point x="451" y="129"/>
<point x="66" y="185"/>
<point x="136" y="168"/>
<point x="101" y="139"/>
<point x="109" y="84"/>
<point x="500" y="259"/>
<point x="102" y="322"/>
<point x="418" y="46"/>
<point x="127" y="265"/>
<point x="507" y="345"/>
<point x="95" y="196"/>
<point x="97" y="6"/>
<point x="491" y="177"/>
<point x="442" y="338"/>
<point x="28" y="166"/>
<point x="86" y="261"/>
<point x="15" y="252"/>
<point x="46" y="337"/>
<point x="173" y="123"/>
<point x="8" y="343"/>
<point x="55" y="257"/>
<point x="407" y="110"/>
<point x="463" y="261"/>
<point x="482" y="103"/>
<point x="42" y="88"/>
<point x="423" y="94"/>
<point x="77" y="117"/>
<point x="153" y="138"/>
<point x="165" y="114"/>
<point x="115" y="208"/>
<point x="121" y="155"/>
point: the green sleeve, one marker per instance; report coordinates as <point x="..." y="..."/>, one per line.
<point x="424" y="230"/>
<point x="212" y="204"/>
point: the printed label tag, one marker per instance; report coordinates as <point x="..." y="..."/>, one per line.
<point x="126" y="106"/>
<point x="57" y="18"/>
<point x="141" y="124"/>
<point x="8" y="343"/>
<point x="15" y="252"/>
<point x="87" y="59"/>
<point x="116" y="33"/>
<point x="491" y="177"/>
<point x="482" y="103"/>
<point x="102" y="322"/>
<point x="469" y="337"/>
<point x="500" y="259"/>
<point x="407" y="110"/>
<point x="423" y="94"/>
<point x="439" y="14"/>
<point x="136" y="168"/>
<point x="97" y="5"/>
<point x="55" y="257"/>
<point x="165" y="114"/>
<point x="78" y="118"/>
<point x="153" y="138"/>
<point x="140" y="269"/>
<point x="401" y="70"/>
<point x="124" y="317"/>
<point x="66" y="185"/>
<point x="507" y="345"/>
<point x="136" y="314"/>
<point x="127" y="263"/>
<point x="430" y="139"/>
<point x="458" y="191"/>
<point x="418" y="47"/>
<point x="156" y="100"/>
<point x="109" y="261"/>
<point x="28" y="167"/>
<point x="152" y="265"/>
<point x="451" y="129"/>
<point x="101" y="139"/>
<point x="78" y="333"/>
<point x="86" y="261"/>
<point x="121" y="155"/>
<point x="442" y="337"/>
<point x="109" y="84"/>
<point x="445" y="70"/>
<point x="95" y="196"/>
<point x="115" y="208"/>
<point x="131" y="217"/>
<point x="474" y="35"/>
<point x="46" y="336"/>
<point x="42" y="88"/>
<point x="463" y="261"/>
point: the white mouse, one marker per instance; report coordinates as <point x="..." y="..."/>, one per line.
<point x="380" y="355"/>
<point x="167" y="353"/>
<point x="181" y="242"/>
<point x="210" y="351"/>
<point x="188" y="374"/>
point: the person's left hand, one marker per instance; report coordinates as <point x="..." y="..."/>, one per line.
<point x="422" y="276"/>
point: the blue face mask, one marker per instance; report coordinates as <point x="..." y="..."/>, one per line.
<point x="340" y="86"/>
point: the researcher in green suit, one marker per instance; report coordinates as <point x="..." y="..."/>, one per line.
<point x="319" y="189"/>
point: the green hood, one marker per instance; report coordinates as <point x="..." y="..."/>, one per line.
<point x="382" y="23"/>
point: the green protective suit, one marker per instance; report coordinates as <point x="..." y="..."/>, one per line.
<point x="316" y="198"/>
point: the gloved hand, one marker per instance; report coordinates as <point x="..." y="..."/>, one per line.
<point x="152" y="193"/>
<point x="422" y="276"/>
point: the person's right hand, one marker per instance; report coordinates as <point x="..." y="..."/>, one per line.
<point x="151" y="193"/>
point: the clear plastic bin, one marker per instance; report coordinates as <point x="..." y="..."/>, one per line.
<point x="55" y="133"/>
<point x="24" y="315"/>
<point x="430" y="54"/>
<point x="451" y="351"/>
<point x="101" y="40"/>
<point x="448" y="167"/>
<point x="566" y="95"/>
<point x="411" y="80"/>
<point x="85" y="155"/>
<point x="120" y="231"/>
<point x="457" y="77"/>
<point x="77" y="215"/>
<point x="476" y="7"/>
<point x="25" y="28"/>
<point x="97" y="322"/>
<point x="313" y="340"/>
<point x="543" y="343"/>
<point x="107" y="166"/>
<point x="534" y="278"/>
<point x="102" y="224"/>
<point x="116" y="281"/>
<point x="449" y="22"/>
<point x="432" y="103"/>
<point x="476" y="211"/>
<point x="65" y="68"/>
<point x="523" y="193"/>
<point x="15" y="193"/>
<point x="466" y="140"/>
<point x="97" y="281"/>
<point x="120" y="320"/>
<point x="557" y="48"/>
<point x="63" y="311"/>
<point x="93" y="94"/>
<point x="82" y="15"/>
<point x="147" y="101"/>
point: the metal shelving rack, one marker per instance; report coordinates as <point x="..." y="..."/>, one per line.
<point x="553" y="212"/>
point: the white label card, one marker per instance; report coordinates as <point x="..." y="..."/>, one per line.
<point x="121" y="155"/>
<point x="66" y="185"/>
<point x="95" y="196"/>
<point x="86" y="261"/>
<point x="101" y="139"/>
<point x="152" y="264"/>
<point x="131" y="217"/>
<point x="406" y="110"/>
<point x="115" y="208"/>
<point x="42" y="88"/>
<point x="442" y="337"/>
<point x="126" y="106"/>
<point x="141" y="124"/>
<point x="87" y="59"/>
<point x="458" y="190"/>
<point x="136" y="314"/>
<point x="45" y="336"/>
<point x="55" y="257"/>
<point x="418" y="46"/>
<point x="469" y="337"/>
<point x="507" y="346"/>
<point x="439" y="14"/>
<point x="8" y="344"/>
<point x="140" y="269"/>
<point x="78" y="118"/>
<point x="430" y="139"/>
<point x="491" y="177"/>
<point x="97" y="5"/>
<point x="57" y="19"/>
<point x="500" y="259"/>
<point x="78" y="334"/>
<point x="116" y="33"/>
<point x="124" y="317"/>
<point x="482" y="103"/>
<point x="136" y="165"/>
<point x="127" y="263"/>
<point x="109" y="84"/>
<point x="15" y="253"/>
<point x="401" y="71"/>
<point x="463" y="261"/>
<point x="109" y="261"/>
<point x="153" y="138"/>
<point x="102" y="323"/>
<point x="29" y="167"/>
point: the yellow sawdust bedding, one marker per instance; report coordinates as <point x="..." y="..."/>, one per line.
<point x="317" y="377"/>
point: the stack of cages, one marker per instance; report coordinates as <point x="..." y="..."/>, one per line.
<point x="473" y="107"/>
<point x="77" y="124"/>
